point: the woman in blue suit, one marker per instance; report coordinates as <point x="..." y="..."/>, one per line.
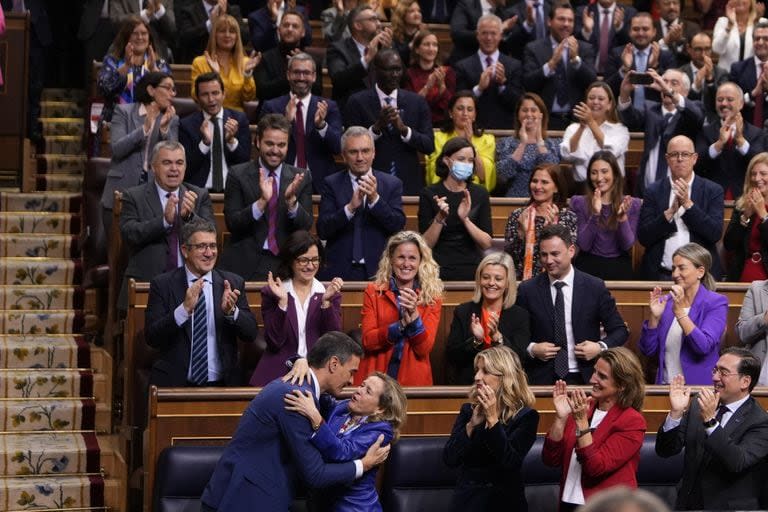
<point x="346" y="430"/>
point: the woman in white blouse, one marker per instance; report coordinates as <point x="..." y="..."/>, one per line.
<point x="732" y="35"/>
<point x="598" y="129"/>
<point x="296" y="308"/>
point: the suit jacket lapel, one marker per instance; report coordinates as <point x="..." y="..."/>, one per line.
<point x="575" y="304"/>
<point x="546" y="296"/>
<point x="179" y="291"/>
<point x="218" y="292"/>
<point x="153" y="199"/>
<point x="739" y="420"/>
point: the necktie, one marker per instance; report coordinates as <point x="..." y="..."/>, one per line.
<point x="217" y="184"/>
<point x="439" y="12"/>
<point x="721" y="410"/>
<point x="561" y="81"/>
<point x="199" y="360"/>
<point x="172" y="239"/>
<point x="540" y="30"/>
<point x="561" y="340"/>
<point x="272" y="216"/>
<point x="299" y="134"/>
<point x="661" y="165"/>
<point x="392" y="166"/>
<point x="757" y="118"/>
<point x="488" y="62"/>
<point x="605" y="34"/>
<point x="357" y="234"/>
<point x="640" y="66"/>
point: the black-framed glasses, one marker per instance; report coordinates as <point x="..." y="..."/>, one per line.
<point x="304" y="261"/>
<point x="202" y="247"/>
<point x="680" y="155"/>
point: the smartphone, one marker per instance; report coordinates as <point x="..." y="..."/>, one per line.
<point x="640" y="78"/>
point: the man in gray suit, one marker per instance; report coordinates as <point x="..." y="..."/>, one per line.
<point x="752" y="326"/>
<point x="264" y="202"/>
<point x="153" y="213"/>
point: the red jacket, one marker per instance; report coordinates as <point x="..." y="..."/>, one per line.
<point x="610" y="460"/>
<point x="379" y="312"/>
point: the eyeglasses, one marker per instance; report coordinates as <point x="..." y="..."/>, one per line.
<point x="202" y="247"/>
<point x="170" y="88"/>
<point x="304" y="261"/>
<point x="301" y="72"/>
<point x="680" y="155"/>
<point x="724" y="372"/>
<point x="370" y="18"/>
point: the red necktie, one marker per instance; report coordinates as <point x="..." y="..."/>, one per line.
<point x="605" y="32"/>
<point x="757" y="118"/>
<point x="299" y="133"/>
<point x="272" y="216"/>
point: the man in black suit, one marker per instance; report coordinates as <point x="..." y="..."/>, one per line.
<point x="559" y="68"/>
<point x="725" y="436"/>
<point x="703" y="74"/>
<point x="398" y="119"/>
<point x="604" y="25"/>
<point x="195" y="21"/>
<point x="152" y="215"/>
<point x="672" y="32"/>
<point x="263" y="24"/>
<point x="751" y="75"/>
<point x="464" y="27"/>
<point x="726" y="146"/>
<point x="195" y="314"/>
<point x="675" y="115"/>
<point x="349" y="60"/>
<point x="492" y="77"/>
<point x="437" y="11"/>
<point x="567" y="307"/>
<point x="264" y="202"/>
<point x="215" y="138"/>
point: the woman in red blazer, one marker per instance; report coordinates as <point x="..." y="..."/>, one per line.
<point x="401" y="312"/>
<point x="597" y="440"/>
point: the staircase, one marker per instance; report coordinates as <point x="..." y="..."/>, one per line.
<point x="57" y="450"/>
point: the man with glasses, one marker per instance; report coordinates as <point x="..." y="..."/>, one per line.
<point x="726" y="146"/>
<point x="153" y="214"/>
<point x="751" y="74"/>
<point x="672" y="32"/>
<point x="195" y="314"/>
<point x="316" y="121"/>
<point x="724" y="432"/>
<point x="703" y="73"/>
<point x="360" y="208"/>
<point x="682" y="208"/>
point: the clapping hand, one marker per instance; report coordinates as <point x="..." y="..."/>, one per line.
<point x="333" y="288"/>
<point x="229" y="299"/>
<point x="657" y="302"/>
<point x="560" y="400"/>
<point x="213" y="61"/>
<point x="277" y="289"/>
<point x="408" y="311"/>
<point x="189" y="198"/>
<point x="442" y="208"/>
<point x="254" y="59"/>
<point x="679" y="396"/>
<point x="579" y="404"/>
<point x="476" y="327"/>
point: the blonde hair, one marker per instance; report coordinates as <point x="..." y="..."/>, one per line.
<point x="503" y="260"/>
<point x="394" y="405"/>
<point x="513" y="393"/>
<point x="226" y="21"/>
<point x="701" y="258"/>
<point x="398" y="19"/>
<point x="760" y="158"/>
<point x="428" y="273"/>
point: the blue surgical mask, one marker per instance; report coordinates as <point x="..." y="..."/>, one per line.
<point x="462" y="171"/>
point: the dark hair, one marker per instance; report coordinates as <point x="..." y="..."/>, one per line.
<point x="759" y="24"/>
<point x="153" y="78"/>
<point x="556" y="231"/>
<point x="298" y="243"/>
<point x="208" y="77"/>
<point x="561" y="5"/>
<point x="556" y="175"/>
<point x="448" y="124"/>
<point x="617" y="192"/>
<point x="449" y="148"/>
<point x="355" y="13"/>
<point x="273" y="122"/>
<point x="333" y="344"/>
<point x="293" y="12"/>
<point x="117" y="49"/>
<point x="536" y="99"/>
<point x="416" y="41"/>
<point x="196" y="225"/>
<point x="386" y="52"/>
<point x="749" y="365"/>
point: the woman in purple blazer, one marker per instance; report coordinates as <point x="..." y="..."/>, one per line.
<point x="686" y="324"/>
<point x="296" y="308"/>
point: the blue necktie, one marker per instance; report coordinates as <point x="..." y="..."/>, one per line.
<point x="199" y="361"/>
<point x="392" y="166"/>
<point x="357" y="233"/>
<point x="640" y="67"/>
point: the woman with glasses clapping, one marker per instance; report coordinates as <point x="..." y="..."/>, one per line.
<point x="296" y="308"/>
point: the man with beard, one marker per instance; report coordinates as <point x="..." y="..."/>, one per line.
<point x="703" y="74"/>
<point x="264" y="202"/>
<point x="672" y="32"/>
<point x="263" y="24"/>
<point x="316" y="134"/>
<point x="751" y="75"/>
<point x="270" y="76"/>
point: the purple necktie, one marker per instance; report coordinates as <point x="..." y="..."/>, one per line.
<point x="272" y="216"/>
<point x="172" y="238"/>
<point x="300" y="134"/>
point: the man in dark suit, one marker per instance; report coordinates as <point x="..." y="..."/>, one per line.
<point x="399" y="121"/>
<point x="726" y="146"/>
<point x="313" y="144"/>
<point x="360" y="208"/>
<point x="675" y="115"/>
<point x="604" y="25"/>
<point x="725" y="436"/>
<point x="152" y="215"/>
<point x="96" y="32"/>
<point x="681" y="209"/>
<point x="464" y="27"/>
<point x="264" y="202"/>
<point x="567" y="307"/>
<point x="195" y="21"/>
<point x="437" y="11"/>
<point x="263" y="24"/>
<point x="531" y="16"/>
<point x="559" y="68"/>
<point x="672" y="32"/>
<point x="158" y="14"/>
<point x="209" y="158"/>
<point x="751" y="75"/>
<point x="349" y="60"/>
<point x="492" y="77"/>
<point x="195" y="315"/>
<point x="703" y="74"/>
<point x="271" y="446"/>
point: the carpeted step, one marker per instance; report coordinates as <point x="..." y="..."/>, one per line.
<point x="60" y="109"/>
<point x="51" y="202"/>
<point x="40" y="271"/>
<point x="57" y="383"/>
<point x="40" y="222"/>
<point x="65" y="351"/>
<point x="59" y="182"/>
<point x="31" y="298"/>
<point x="71" y="126"/>
<point x="63" y="144"/>
<point x="43" y="453"/>
<point x="52" y="493"/>
<point x="47" y="322"/>
<point x="30" y="415"/>
<point x="77" y="96"/>
<point x="22" y="245"/>
<point x="61" y="164"/>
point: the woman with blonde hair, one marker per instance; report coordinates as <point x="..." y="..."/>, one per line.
<point x="687" y="323"/>
<point x="226" y="57"/>
<point x="490" y="319"/>
<point x="732" y="35"/>
<point x="401" y="312"/>
<point x="747" y="233"/>
<point x="492" y="435"/>
<point x="596" y="440"/>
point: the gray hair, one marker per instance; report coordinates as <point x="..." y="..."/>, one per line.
<point x="196" y="225"/>
<point x="489" y="17"/>
<point x="683" y="78"/>
<point x="170" y="145"/>
<point x="302" y="56"/>
<point x="355" y="131"/>
<point x="621" y="498"/>
<point x="736" y="86"/>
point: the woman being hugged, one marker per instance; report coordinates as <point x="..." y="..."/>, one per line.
<point x="596" y="440"/>
<point x="401" y="312"/>
<point x="688" y="322"/>
<point x="492" y="435"/>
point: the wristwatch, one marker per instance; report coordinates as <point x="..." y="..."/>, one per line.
<point x="710" y="423"/>
<point x="580" y="432"/>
